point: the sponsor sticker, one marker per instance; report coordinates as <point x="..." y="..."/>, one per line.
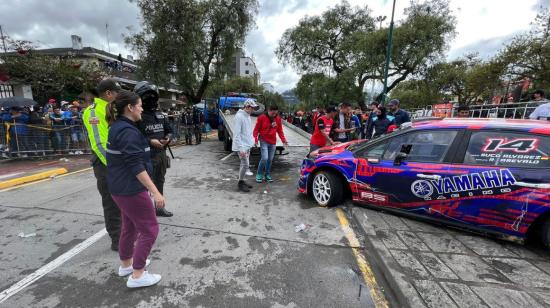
<point x="488" y="182"/>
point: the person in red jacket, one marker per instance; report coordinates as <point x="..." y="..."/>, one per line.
<point x="267" y="127"/>
<point x="321" y="132"/>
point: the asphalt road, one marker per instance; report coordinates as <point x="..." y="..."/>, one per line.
<point x="221" y="248"/>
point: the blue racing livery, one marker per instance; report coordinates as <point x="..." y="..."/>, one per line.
<point x="491" y="176"/>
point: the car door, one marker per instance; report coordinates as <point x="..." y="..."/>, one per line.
<point x="411" y="185"/>
<point x="504" y="180"/>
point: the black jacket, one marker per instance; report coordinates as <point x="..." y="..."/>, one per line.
<point x="187" y="119"/>
<point x="155" y="125"/>
<point x="128" y="154"/>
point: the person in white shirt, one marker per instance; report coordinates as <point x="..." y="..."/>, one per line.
<point x="243" y="140"/>
<point x="541" y="113"/>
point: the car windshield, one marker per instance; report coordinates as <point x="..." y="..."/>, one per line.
<point x="360" y="145"/>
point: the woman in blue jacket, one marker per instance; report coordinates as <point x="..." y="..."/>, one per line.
<point x="128" y="177"/>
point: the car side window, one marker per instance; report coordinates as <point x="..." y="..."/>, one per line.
<point x="375" y="151"/>
<point x="427" y="146"/>
<point x="508" y="149"/>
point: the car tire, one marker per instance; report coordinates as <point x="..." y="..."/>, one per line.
<point x="226" y="141"/>
<point x="327" y="189"/>
<point x="545" y="233"/>
<point x="221" y="133"/>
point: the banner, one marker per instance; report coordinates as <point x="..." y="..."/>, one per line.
<point x="442" y="110"/>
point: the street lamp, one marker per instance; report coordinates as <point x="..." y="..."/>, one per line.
<point x="388" y="56"/>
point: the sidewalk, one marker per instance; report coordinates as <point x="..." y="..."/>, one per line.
<point x="431" y="266"/>
<point x="14" y="173"/>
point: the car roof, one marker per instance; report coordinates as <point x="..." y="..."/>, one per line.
<point x="532" y="126"/>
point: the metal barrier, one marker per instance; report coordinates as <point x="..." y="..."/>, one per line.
<point x="22" y="140"/>
<point x="508" y="111"/>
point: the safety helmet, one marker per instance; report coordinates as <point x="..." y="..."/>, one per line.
<point x="149" y="94"/>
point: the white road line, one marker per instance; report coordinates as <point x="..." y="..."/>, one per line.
<point x="39" y="273"/>
<point x="225" y="158"/>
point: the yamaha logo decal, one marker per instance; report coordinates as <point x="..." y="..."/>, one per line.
<point x="422" y="188"/>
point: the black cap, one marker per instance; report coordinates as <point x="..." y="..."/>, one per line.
<point x="331" y="109"/>
<point x="108" y="85"/>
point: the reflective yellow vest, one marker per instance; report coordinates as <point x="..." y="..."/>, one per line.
<point x="95" y="120"/>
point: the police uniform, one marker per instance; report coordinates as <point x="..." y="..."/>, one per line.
<point x="155" y="125"/>
<point x="198" y="120"/>
<point x="188" y="125"/>
<point x="97" y="127"/>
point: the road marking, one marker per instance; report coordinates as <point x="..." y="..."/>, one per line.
<point x="225" y="158"/>
<point x="368" y="275"/>
<point x="44" y="180"/>
<point x="39" y="273"/>
<point x="33" y="177"/>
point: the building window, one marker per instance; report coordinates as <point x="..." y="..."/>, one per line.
<point x="247" y="72"/>
<point x="246" y="64"/>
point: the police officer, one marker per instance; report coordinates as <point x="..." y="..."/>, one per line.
<point x="198" y="120"/>
<point x="97" y="127"/>
<point x="156" y="127"/>
<point x="188" y="125"/>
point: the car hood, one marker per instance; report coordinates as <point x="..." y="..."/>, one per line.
<point x="339" y="150"/>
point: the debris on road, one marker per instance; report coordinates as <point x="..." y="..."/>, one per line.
<point x="302" y="227"/>
<point x="23" y="235"/>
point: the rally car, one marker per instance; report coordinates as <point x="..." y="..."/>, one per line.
<point x="486" y="175"/>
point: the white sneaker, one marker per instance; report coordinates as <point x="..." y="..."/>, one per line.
<point x="145" y="280"/>
<point x="249" y="173"/>
<point x="125" y="271"/>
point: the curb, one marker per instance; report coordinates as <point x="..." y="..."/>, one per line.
<point x="32" y="178"/>
<point x="387" y="270"/>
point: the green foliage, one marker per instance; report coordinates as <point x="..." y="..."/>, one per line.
<point x="416" y="93"/>
<point x="316" y="89"/>
<point x="191" y="40"/>
<point x="528" y="55"/>
<point x="220" y="87"/>
<point x="51" y="76"/>
<point x="465" y="79"/>
<point x="344" y="40"/>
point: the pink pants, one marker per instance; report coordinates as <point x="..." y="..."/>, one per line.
<point x="139" y="227"/>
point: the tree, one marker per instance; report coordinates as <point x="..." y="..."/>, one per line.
<point x="466" y="79"/>
<point x="238" y="84"/>
<point x="316" y="89"/>
<point x="48" y="76"/>
<point x="344" y="40"/>
<point x="416" y="93"/>
<point x="528" y="55"/>
<point x="188" y="41"/>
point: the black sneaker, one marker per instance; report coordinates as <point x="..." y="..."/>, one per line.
<point x="114" y="246"/>
<point x="243" y="187"/>
<point x="164" y="213"/>
<point x="247" y="185"/>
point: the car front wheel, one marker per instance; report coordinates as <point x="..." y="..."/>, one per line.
<point x="327" y="189"/>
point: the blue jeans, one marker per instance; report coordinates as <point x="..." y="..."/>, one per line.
<point x="268" y="151"/>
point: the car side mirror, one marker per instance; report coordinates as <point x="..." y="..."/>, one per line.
<point x="399" y="158"/>
<point x="402" y="155"/>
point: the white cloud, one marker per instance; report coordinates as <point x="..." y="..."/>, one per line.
<point x="482" y="25"/>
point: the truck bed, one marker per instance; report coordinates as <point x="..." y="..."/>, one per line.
<point x="295" y="136"/>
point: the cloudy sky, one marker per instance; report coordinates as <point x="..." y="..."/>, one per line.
<point x="483" y="25"/>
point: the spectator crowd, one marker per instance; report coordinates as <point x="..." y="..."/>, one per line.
<point x="351" y="122"/>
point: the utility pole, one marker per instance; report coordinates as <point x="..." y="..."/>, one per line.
<point x="3" y="39"/>
<point x="107" y="35"/>
<point x="388" y="56"/>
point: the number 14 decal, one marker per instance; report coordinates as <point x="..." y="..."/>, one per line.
<point x="518" y="145"/>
